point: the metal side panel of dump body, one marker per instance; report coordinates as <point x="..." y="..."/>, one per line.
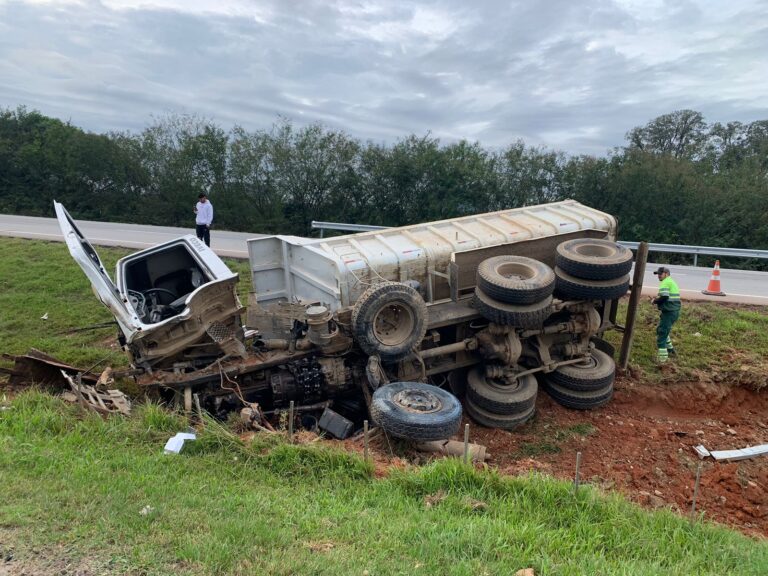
<point x="336" y="271"/>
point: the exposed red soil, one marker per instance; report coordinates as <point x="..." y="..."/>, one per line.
<point x="641" y="444"/>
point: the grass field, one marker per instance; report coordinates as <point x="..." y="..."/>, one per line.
<point x="97" y="496"/>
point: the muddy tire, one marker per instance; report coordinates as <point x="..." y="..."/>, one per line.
<point x="594" y="259"/>
<point x="416" y="411"/>
<point x="515" y="279"/>
<point x="569" y="287"/>
<point x="597" y="373"/>
<point x="520" y="316"/>
<point x="389" y="319"/>
<point x="505" y="422"/>
<point x="578" y="400"/>
<point x="497" y="398"/>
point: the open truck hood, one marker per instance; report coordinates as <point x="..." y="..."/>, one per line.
<point x="207" y="313"/>
<point x="87" y="258"/>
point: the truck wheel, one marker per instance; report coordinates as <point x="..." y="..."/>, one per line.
<point x="569" y="287"/>
<point x="594" y="259"/>
<point x="416" y="411"/>
<point x="389" y="319"/>
<point x="597" y="372"/>
<point x="497" y="398"/>
<point x="520" y="316"/>
<point x="515" y="279"/>
<point x="578" y="400"/>
<point x="503" y="421"/>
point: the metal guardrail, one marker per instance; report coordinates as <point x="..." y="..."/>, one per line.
<point x="671" y="248"/>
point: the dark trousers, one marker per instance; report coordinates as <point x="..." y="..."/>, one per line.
<point x="204" y="233"/>
<point x="668" y="318"/>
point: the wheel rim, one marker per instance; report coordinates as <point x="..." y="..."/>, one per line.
<point x="595" y="250"/>
<point x="393" y="324"/>
<point x="586" y="364"/>
<point x="418" y="401"/>
<point x="515" y="271"/>
<point x="502" y="385"/>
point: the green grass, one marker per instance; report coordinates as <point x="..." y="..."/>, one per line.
<point x="716" y="341"/>
<point x="74" y="485"/>
<point x="78" y="483"/>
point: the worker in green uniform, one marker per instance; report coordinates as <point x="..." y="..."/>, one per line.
<point x="668" y="303"/>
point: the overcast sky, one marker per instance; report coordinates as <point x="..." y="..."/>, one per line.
<point x="571" y="75"/>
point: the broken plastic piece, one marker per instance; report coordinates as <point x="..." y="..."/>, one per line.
<point x="175" y="444"/>
<point x="701" y="451"/>
<point x="740" y="454"/>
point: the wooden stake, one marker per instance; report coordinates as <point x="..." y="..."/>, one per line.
<point x="365" y="439"/>
<point x="198" y="408"/>
<point x="695" y="492"/>
<point x="466" y="444"/>
<point x="576" y="478"/>
<point x="290" y="422"/>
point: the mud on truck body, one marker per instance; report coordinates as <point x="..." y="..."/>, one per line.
<point x="396" y="323"/>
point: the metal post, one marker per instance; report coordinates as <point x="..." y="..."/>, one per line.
<point x="634" y="300"/>
<point x="290" y="422"/>
<point x="365" y="439"/>
<point x="695" y="259"/>
<point x="466" y="444"/>
<point x="695" y="492"/>
<point x="576" y="478"/>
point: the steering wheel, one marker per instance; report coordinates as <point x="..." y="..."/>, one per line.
<point x="151" y="291"/>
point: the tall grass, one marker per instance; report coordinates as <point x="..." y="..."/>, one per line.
<point x="103" y="489"/>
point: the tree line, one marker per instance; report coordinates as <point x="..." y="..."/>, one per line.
<point x="677" y="180"/>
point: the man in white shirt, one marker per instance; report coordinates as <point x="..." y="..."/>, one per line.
<point x="203" y="219"/>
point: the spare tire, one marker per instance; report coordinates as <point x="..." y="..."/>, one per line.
<point x="518" y="315"/>
<point x="515" y="279"/>
<point x="389" y="319"/>
<point x="416" y="411"/>
<point x="594" y="259"/>
<point x="497" y="398"/>
<point x="569" y="287"/>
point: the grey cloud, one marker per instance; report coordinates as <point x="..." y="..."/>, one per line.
<point x="565" y="75"/>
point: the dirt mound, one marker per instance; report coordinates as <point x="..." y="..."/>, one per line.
<point x="641" y="444"/>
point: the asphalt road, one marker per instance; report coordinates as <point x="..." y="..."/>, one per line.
<point x="739" y="285"/>
<point x="139" y="236"/>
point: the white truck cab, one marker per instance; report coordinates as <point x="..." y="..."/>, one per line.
<point x="175" y="298"/>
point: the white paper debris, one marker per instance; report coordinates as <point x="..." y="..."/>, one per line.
<point x="175" y="444"/>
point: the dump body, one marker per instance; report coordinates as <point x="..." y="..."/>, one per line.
<point x="336" y="271"/>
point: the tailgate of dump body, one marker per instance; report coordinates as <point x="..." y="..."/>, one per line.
<point x="336" y="271"/>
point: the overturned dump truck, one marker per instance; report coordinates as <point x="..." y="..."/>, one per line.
<point x="397" y="323"/>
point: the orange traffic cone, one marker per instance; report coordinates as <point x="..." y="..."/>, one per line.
<point x="713" y="289"/>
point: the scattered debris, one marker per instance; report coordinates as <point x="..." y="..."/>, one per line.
<point x="146" y="511"/>
<point x="740" y="454"/>
<point x="477" y="452"/>
<point x="175" y="444"/>
<point x="729" y="455"/>
<point x="107" y="402"/>
<point x="701" y="451"/>
<point x="525" y="572"/>
<point x="434" y="499"/>
<point x="335" y="424"/>
<point x="37" y="368"/>
<point x="44" y="316"/>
